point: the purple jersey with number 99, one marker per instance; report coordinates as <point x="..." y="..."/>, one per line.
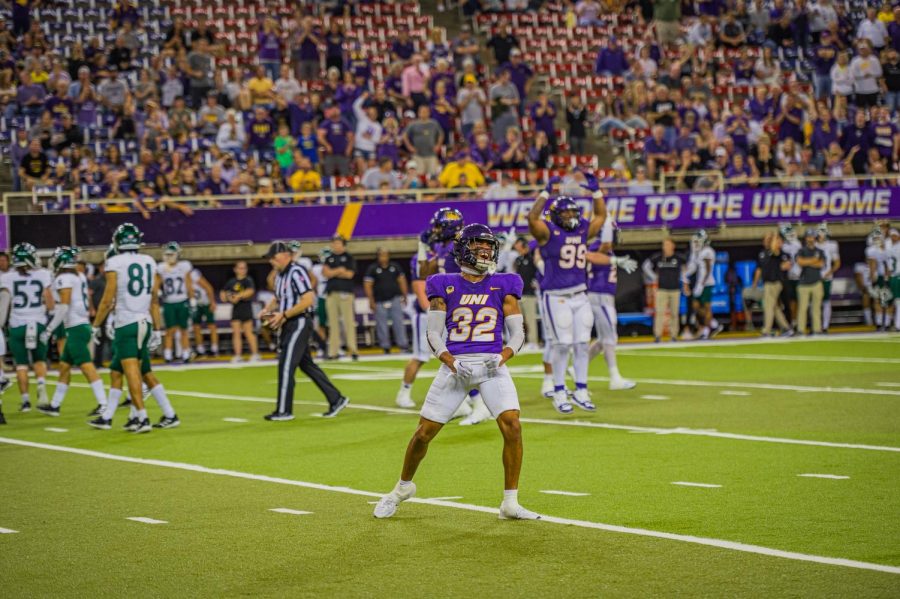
<point x="564" y="257"/>
<point x="474" y="310"/>
<point x="602" y="278"/>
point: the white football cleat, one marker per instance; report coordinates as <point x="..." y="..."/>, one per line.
<point x="621" y="384"/>
<point x="237" y="359"/>
<point x="561" y="402"/>
<point x="255" y="358"/>
<point x="514" y="511"/>
<point x="547" y="386"/>
<point x="582" y="399"/>
<point x="387" y="505"/>
<point x="478" y="414"/>
<point x="403" y="398"/>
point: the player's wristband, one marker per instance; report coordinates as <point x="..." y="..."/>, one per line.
<point x="515" y="324"/>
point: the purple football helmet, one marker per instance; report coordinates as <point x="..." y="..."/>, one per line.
<point x="467" y="257"/>
<point x="558" y="215"/>
<point x="446" y="223"/>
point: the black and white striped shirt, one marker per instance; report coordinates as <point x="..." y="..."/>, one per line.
<point x="290" y="285"/>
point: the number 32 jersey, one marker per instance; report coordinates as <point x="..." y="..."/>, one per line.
<point x="173" y="286"/>
<point x="135" y="274"/>
<point x="564" y="258"/>
<point x="27" y="295"/>
<point x="474" y="310"/>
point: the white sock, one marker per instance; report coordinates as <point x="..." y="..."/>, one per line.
<point x="186" y="354"/>
<point x="580" y="358"/>
<point x="167" y="354"/>
<point x="59" y="395"/>
<point x="511" y="496"/>
<point x="826" y="314"/>
<point x="704" y="331"/>
<point x="215" y="348"/>
<point x="142" y="414"/>
<point x="132" y="412"/>
<point x="560" y="360"/>
<point x="25" y="398"/>
<point x="112" y="403"/>
<point x="99" y="392"/>
<point x="201" y="349"/>
<point x="41" y="381"/>
<point x="547" y="353"/>
<point x="879" y="318"/>
<point x="867" y="316"/>
<point x="609" y="355"/>
<point x="595" y="349"/>
<point x="159" y="394"/>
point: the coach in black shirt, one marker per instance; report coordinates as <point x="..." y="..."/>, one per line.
<point x="290" y="313"/>
<point x="385" y="286"/>
<point x="339" y="268"/>
<point x="667" y="267"/>
<point x="809" y="289"/>
<point x="772" y="268"/>
<point x="525" y="268"/>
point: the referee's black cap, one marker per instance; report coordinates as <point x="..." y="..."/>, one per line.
<point x="277" y="247"/>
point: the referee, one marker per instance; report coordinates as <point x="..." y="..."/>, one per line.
<point x="290" y="313"/>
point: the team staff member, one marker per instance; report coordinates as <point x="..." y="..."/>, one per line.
<point x="239" y="292"/>
<point x="773" y="266"/>
<point x="339" y="268"/>
<point x="524" y="266"/>
<point x="667" y="268"/>
<point x="811" y="260"/>
<point x="385" y="286"/>
<point x="290" y="312"/>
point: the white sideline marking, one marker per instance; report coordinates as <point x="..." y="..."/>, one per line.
<point x="774" y="357"/>
<point x="567" y="493"/>
<point x="53" y="429"/>
<point x="8" y="531"/>
<point x="719" y="543"/>
<point x="888" y="384"/>
<point x="588" y="424"/>
<point x="735" y="393"/>
<point x="284" y="510"/>
<point x="655" y="397"/>
<point x="704" y="485"/>
<point x="831" y="476"/>
<point x="232" y="419"/>
<point x="450" y="498"/>
<point x="146" y="520"/>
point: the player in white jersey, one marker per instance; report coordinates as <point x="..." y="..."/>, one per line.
<point x="72" y="312"/>
<point x="204" y="313"/>
<point x="790" y="247"/>
<point x="700" y="263"/>
<point x="320" y="283"/>
<point x="877" y="259"/>
<point x="178" y="300"/>
<point x="132" y="286"/>
<point x="25" y="298"/>
<point x="832" y="263"/>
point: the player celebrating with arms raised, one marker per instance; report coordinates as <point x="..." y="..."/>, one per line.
<point x="563" y="246"/>
<point x="472" y="307"/>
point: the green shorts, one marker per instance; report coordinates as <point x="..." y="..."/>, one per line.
<point x="826" y="289"/>
<point x="321" y="312"/>
<point x="59" y="333"/>
<point x="705" y="297"/>
<point x="203" y="314"/>
<point x="895" y="287"/>
<point x="127" y="344"/>
<point x="23" y="356"/>
<point x="77" y="350"/>
<point x="176" y="315"/>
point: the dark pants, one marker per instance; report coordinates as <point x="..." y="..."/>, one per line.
<point x="293" y="346"/>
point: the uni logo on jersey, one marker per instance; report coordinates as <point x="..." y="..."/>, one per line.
<point x="473" y="299"/>
<point x="449" y="289"/>
<point x="574" y="240"/>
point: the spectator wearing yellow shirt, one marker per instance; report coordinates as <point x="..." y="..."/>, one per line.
<point x="304" y="179"/>
<point x="261" y="87"/>
<point x="462" y="172"/>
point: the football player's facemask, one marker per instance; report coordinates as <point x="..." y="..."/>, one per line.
<point x="64" y="258"/>
<point x="24" y="255"/>
<point x="446" y="224"/>
<point x="296" y="249"/>
<point x="822" y="233"/>
<point x="699" y="240"/>
<point x="788" y="234"/>
<point x="565" y="213"/>
<point x="875" y="239"/>
<point x="476" y="250"/>
<point x="128" y="237"/>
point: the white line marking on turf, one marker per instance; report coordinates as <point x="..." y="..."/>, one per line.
<point x="831" y="476"/>
<point x="655" y="397"/>
<point x="773" y="357"/>
<point x="582" y="423"/>
<point x="888" y="384"/>
<point x="53" y="429"/>
<point x="719" y="543"/>
<point x="704" y="485"/>
<point x="284" y="510"/>
<point x="146" y="520"/>
<point x="450" y="498"/>
<point x="235" y="420"/>
<point x="7" y="531"/>
<point x="567" y="493"/>
<point x="735" y="393"/>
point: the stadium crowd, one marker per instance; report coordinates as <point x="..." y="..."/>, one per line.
<point x="740" y="92"/>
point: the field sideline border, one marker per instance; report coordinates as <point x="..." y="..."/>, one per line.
<point x="710" y="542"/>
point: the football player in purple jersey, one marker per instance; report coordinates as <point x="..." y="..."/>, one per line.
<point x="472" y="308"/>
<point x="563" y="246"/>
<point x="602" y="280"/>
<point x="436" y="242"/>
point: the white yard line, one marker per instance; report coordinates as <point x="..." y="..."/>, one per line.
<point x="53" y="429"/>
<point x="770" y="357"/>
<point x="566" y="493"/>
<point x="7" y="531"/>
<point x="238" y="420"/>
<point x="448" y="498"/>
<point x="709" y="542"/>
<point x="284" y="510"/>
<point x="144" y="520"/>
<point x="888" y="384"/>
<point x="562" y="422"/>
<point x="735" y="393"/>
<point x="704" y="485"/>
<point x="655" y="397"/>
<point x="830" y="476"/>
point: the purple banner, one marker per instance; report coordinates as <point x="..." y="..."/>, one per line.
<point x="673" y="210"/>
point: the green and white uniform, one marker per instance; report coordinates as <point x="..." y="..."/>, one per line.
<point x="202" y="313"/>
<point x="832" y="253"/>
<point x="705" y="281"/>
<point x="28" y="315"/>
<point x="880" y="285"/>
<point x="893" y="263"/>
<point x="59" y="333"/>
<point x="176" y="307"/>
<point x="791" y="248"/>
<point x="135" y="275"/>
<point x="77" y="325"/>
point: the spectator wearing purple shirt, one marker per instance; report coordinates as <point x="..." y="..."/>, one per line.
<point x="300" y="110"/>
<point x="443" y="109"/>
<point x="513" y="151"/>
<point x="657" y="151"/>
<point x="403" y="47"/>
<point x="269" y="47"/>
<point x="540" y="152"/>
<point x="859" y="136"/>
<point x="520" y="73"/>
<point x="336" y="139"/>
<point x="824" y="57"/>
<point x="611" y="60"/>
<point x="790" y="119"/>
<point x="359" y="64"/>
<point x="305" y="50"/>
<point x="334" y="46"/>
<point x="346" y="95"/>
<point x="739" y="171"/>
<point x="738" y="127"/>
<point x="885" y="136"/>
<point x="760" y="106"/>
<point x="543" y="113"/>
<point x="685" y="140"/>
<point x="30" y="96"/>
<point x="260" y="131"/>
<point x="482" y="153"/>
<point x="390" y="142"/>
<point x="825" y="131"/>
<point x="442" y="72"/>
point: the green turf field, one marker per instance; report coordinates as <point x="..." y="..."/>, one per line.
<point x="745" y="419"/>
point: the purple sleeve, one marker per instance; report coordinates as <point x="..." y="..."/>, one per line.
<point x="434" y="287"/>
<point x="514" y="285"/>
